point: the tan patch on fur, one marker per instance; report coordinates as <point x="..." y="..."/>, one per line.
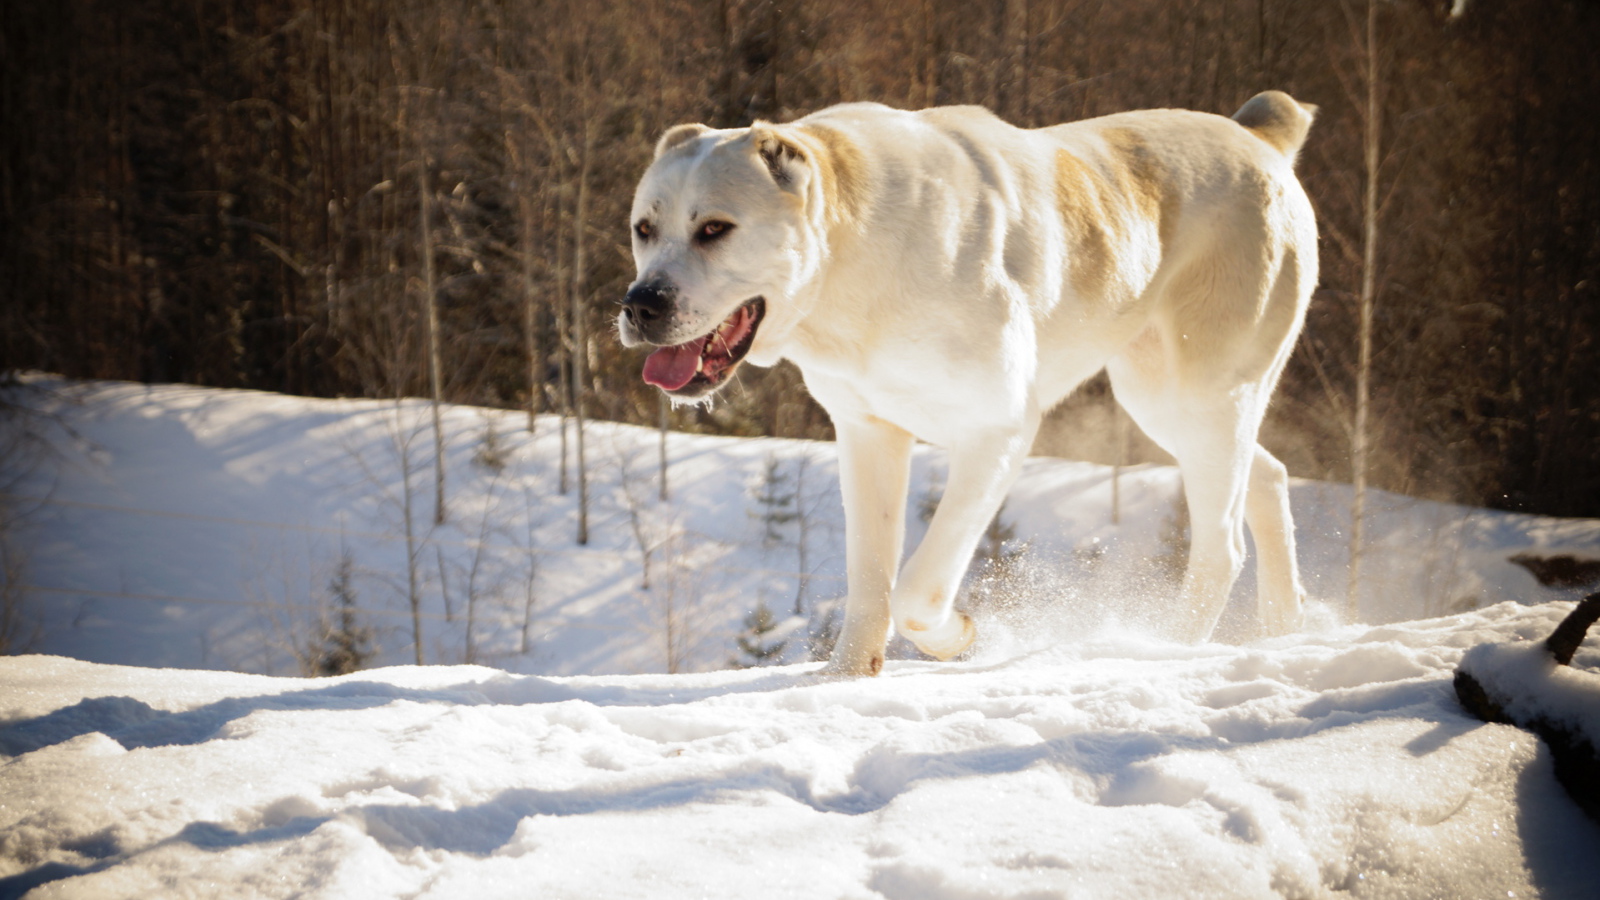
<point x="1082" y="202"/>
<point x="1103" y="207"/>
<point x="839" y="165"/>
<point x="876" y="665"/>
<point x="1138" y="177"/>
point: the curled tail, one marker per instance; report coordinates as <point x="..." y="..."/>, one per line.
<point x="1278" y="119"/>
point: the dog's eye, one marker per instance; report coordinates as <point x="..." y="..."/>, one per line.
<point x="712" y="230"/>
<point x="644" y="230"/>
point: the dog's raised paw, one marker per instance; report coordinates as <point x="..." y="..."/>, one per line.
<point x="948" y="648"/>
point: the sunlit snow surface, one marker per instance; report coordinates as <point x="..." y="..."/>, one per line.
<point x="1319" y="765"/>
<point x="171" y="525"/>
<point x="1071" y="757"/>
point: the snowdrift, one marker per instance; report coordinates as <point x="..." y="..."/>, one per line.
<point x="1325" y="765"/>
<point x="1072" y="756"/>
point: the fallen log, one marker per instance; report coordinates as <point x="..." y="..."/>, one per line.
<point x="1533" y="686"/>
<point x="1560" y="571"/>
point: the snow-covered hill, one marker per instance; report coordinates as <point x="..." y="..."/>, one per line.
<point x="191" y="527"/>
<point x="1072" y="756"/>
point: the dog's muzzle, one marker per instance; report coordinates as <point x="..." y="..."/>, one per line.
<point x="647" y="313"/>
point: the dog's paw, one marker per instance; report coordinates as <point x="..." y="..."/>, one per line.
<point x="960" y="633"/>
<point x="843" y="665"/>
<point x="1281" y="618"/>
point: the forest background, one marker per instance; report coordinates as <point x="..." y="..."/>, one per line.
<point x="304" y="195"/>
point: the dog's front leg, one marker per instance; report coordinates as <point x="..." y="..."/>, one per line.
<point x="874" y="475"/>
<point x="982" y="469"/>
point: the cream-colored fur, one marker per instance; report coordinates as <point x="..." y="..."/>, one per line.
<point x="943" y="275"/>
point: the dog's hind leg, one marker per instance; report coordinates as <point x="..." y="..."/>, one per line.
<point x="1211" y="432"/>
<point x="982" y="469"/>
<point x="1229" y="481"/>
<point x="1215" y="462"/>
<point x="1280" y="598"/>
<point x="874" y="476"/>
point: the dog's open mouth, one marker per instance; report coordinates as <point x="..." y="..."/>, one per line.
<point x="698" y="367"/>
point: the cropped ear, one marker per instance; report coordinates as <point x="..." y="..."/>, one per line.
<point x="679" y="134"/>
<point x="785" y="159"/>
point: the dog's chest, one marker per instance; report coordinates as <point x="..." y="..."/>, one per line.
<point x="935" y="395"/>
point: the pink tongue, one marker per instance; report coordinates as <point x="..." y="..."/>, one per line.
<point x="673" y="367"/>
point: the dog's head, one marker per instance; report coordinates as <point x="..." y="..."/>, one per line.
<point x="724" y="247"/>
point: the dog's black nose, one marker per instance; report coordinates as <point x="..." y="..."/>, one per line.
<point x="646" y="303"/>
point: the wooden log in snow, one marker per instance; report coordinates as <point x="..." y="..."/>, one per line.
<point x="1526" y="686"/>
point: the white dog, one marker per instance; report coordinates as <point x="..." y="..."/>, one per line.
<point x="943" y="275"/>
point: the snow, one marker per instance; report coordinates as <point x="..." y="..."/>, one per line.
<point x="199" y="528"/>
<point x="1336" y="763"/>
<point x="1072" y="756"/>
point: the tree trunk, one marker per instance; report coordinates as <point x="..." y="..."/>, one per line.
<point x="580" y="332"/>
<point x="564" y="343"/>
<point x="413" y="589"/>
<point x="430" y="307"/>
<point x="1369" y="290"/>
<point x="334" y="312"/>
<point x="530" y="306"/>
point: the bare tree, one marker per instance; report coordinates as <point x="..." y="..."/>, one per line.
<point x="806" y="501"/>
<point x="1371" y="143"/>
<point x="665" y="406"/>
<point x="430" y="309"/>
<point x="401" y="500"/>
<point x="651" y="524"/>
<point x="530" y="571"/>
<point x="564" y="306"/>
<point x="680" y="606"/>
<point x="477" y="572"/>
<point x="580" y="331"/>
<point x="527" y="238"/>
<point x="414" y="542"/>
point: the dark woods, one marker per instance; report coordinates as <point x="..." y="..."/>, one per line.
<point x="249" y="194"/>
